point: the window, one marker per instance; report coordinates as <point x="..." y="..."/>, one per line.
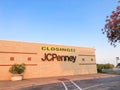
<point x="11" y="58"/>
<point x="91" y="59"/>
<point x="83" y="59"/>
<point x="29" y="58"/>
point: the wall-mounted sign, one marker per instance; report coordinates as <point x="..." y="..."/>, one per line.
<point x="53" y="57"/>
<point x="57" y="49"/>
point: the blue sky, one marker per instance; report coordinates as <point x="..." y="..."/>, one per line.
<point x="65" y="22"/>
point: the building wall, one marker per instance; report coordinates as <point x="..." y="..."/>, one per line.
<point x="32" y="53"/>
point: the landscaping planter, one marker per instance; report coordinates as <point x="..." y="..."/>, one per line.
<point x="17" y="71"/>
<point x="16" y="77"/>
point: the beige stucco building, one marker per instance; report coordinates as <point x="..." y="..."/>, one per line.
<point x="46" y="60"/>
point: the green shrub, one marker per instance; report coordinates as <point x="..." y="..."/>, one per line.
<point x="17" y="68"/>
<point x="100" y="67"/>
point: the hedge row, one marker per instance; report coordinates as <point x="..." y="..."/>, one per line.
<point x="104" y="66"/>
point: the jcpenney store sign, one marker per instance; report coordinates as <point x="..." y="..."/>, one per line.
<point x="54" y="56"/>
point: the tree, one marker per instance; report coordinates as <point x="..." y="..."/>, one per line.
<point x="100" y="67"/>
<point x="112" y="27"/>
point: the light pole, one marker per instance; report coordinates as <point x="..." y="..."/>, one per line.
<point x="117" y="58"/>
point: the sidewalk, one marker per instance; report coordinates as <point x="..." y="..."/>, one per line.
<point x="13" y="85"/>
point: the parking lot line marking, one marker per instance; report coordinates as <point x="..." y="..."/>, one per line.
<point x="92" y="86"/>
<point x="65" y="86"/>
<point x="76" y="85"/>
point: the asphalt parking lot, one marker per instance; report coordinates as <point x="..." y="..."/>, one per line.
<point x="75" y="82"/>
<point x="112" y="83"/>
